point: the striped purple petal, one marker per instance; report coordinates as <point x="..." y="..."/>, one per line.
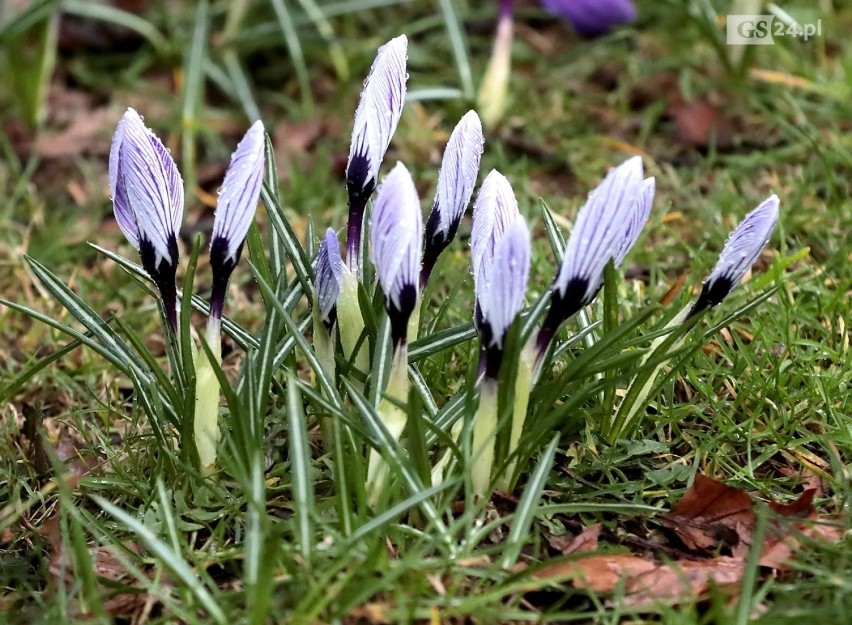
<point x="120" y="204"/>
<point x="329" y="277"/>
<point x="639" y="214"/>
<point x="505" y="279"/>
<point x="146" y="185"/>
<point x="238" y="195"/>
<point x="602" y="229"/>
<point x="494" y="210"/>
<point x="396" y="236"/>
<point x="740" y="252"/>
<point x="377" y="115"/>
<point x="459" y="169"/>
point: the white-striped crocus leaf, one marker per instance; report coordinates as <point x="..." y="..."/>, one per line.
<point x="235" y="211"/>
<point x="396" y="237"/>
<point x="606" y="227"/>
<point x="741" y="250"/>
<point x="456" y="180"/>
<point x="147" y="195"/>
<point x="329" y="278"/>
<point x="376" y="119"/>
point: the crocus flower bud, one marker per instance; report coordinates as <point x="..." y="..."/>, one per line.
<point x="593" y="17"/>
<point x="147" y="196"/>
<point x="396" y="236"/>
<point x="605" y="229"/>
<point x="459" y="169"/>
<point x="235" y="211"/>
<point x="740" y="252"/>
<point x="376" y="118"/>
<point x="501" y="257"/>
<point x="494" y="210"/>
<point x="329" y="278"/>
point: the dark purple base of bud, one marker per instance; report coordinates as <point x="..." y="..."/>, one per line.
<point x="711" y="295"/>
<point x="563" y="306"/>
<point x="163" y="275"/>
<point x="490" y="359"/>
<point x="221" y="267"/>
<point x="435" y="244"/>
<point x="359" y="189"/>
<point x="399" y="316"/>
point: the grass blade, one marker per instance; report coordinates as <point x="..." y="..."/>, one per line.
<point x="300" y="470"/>
<point x="525" y="512"/>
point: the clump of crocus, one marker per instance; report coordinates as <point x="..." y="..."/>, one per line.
<point x="235" y="211"/>
<point x="147" y="196"/>
<point x="376" y="119"/>
<point x="500" y="244"/>
<point x="593" y="17"/>
<point x="741" y="250"/>
<point x="396" y="235"/>
<point x="147" y="193"/>
<point x="607" y="226"/>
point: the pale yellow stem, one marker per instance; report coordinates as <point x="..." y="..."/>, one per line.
<point x="523" y="388"/>
<point x="484" y="431"/>
<point x="207" y="391"/>
<point x="351" y="323"/>
<point x="394" y="419"/>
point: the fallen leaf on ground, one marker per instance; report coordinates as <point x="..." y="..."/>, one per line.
<point x="587" y="540"/>
<point x="701" y="124"/>
<point x="712" y="513"/>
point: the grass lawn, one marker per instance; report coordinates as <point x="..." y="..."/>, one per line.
<point x="130" y="531"/>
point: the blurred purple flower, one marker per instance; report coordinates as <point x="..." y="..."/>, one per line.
<point x="593" y="17"/>
<point x="740" y="252"/>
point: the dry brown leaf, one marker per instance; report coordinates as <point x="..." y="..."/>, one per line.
<point x="600" y="573"/>
<point x="700" y="124"/>
<point x="709" y="514"/>
<point x="779" y="553"/>
<point x="585" y="541"/>
<point x="712" y="513"/>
